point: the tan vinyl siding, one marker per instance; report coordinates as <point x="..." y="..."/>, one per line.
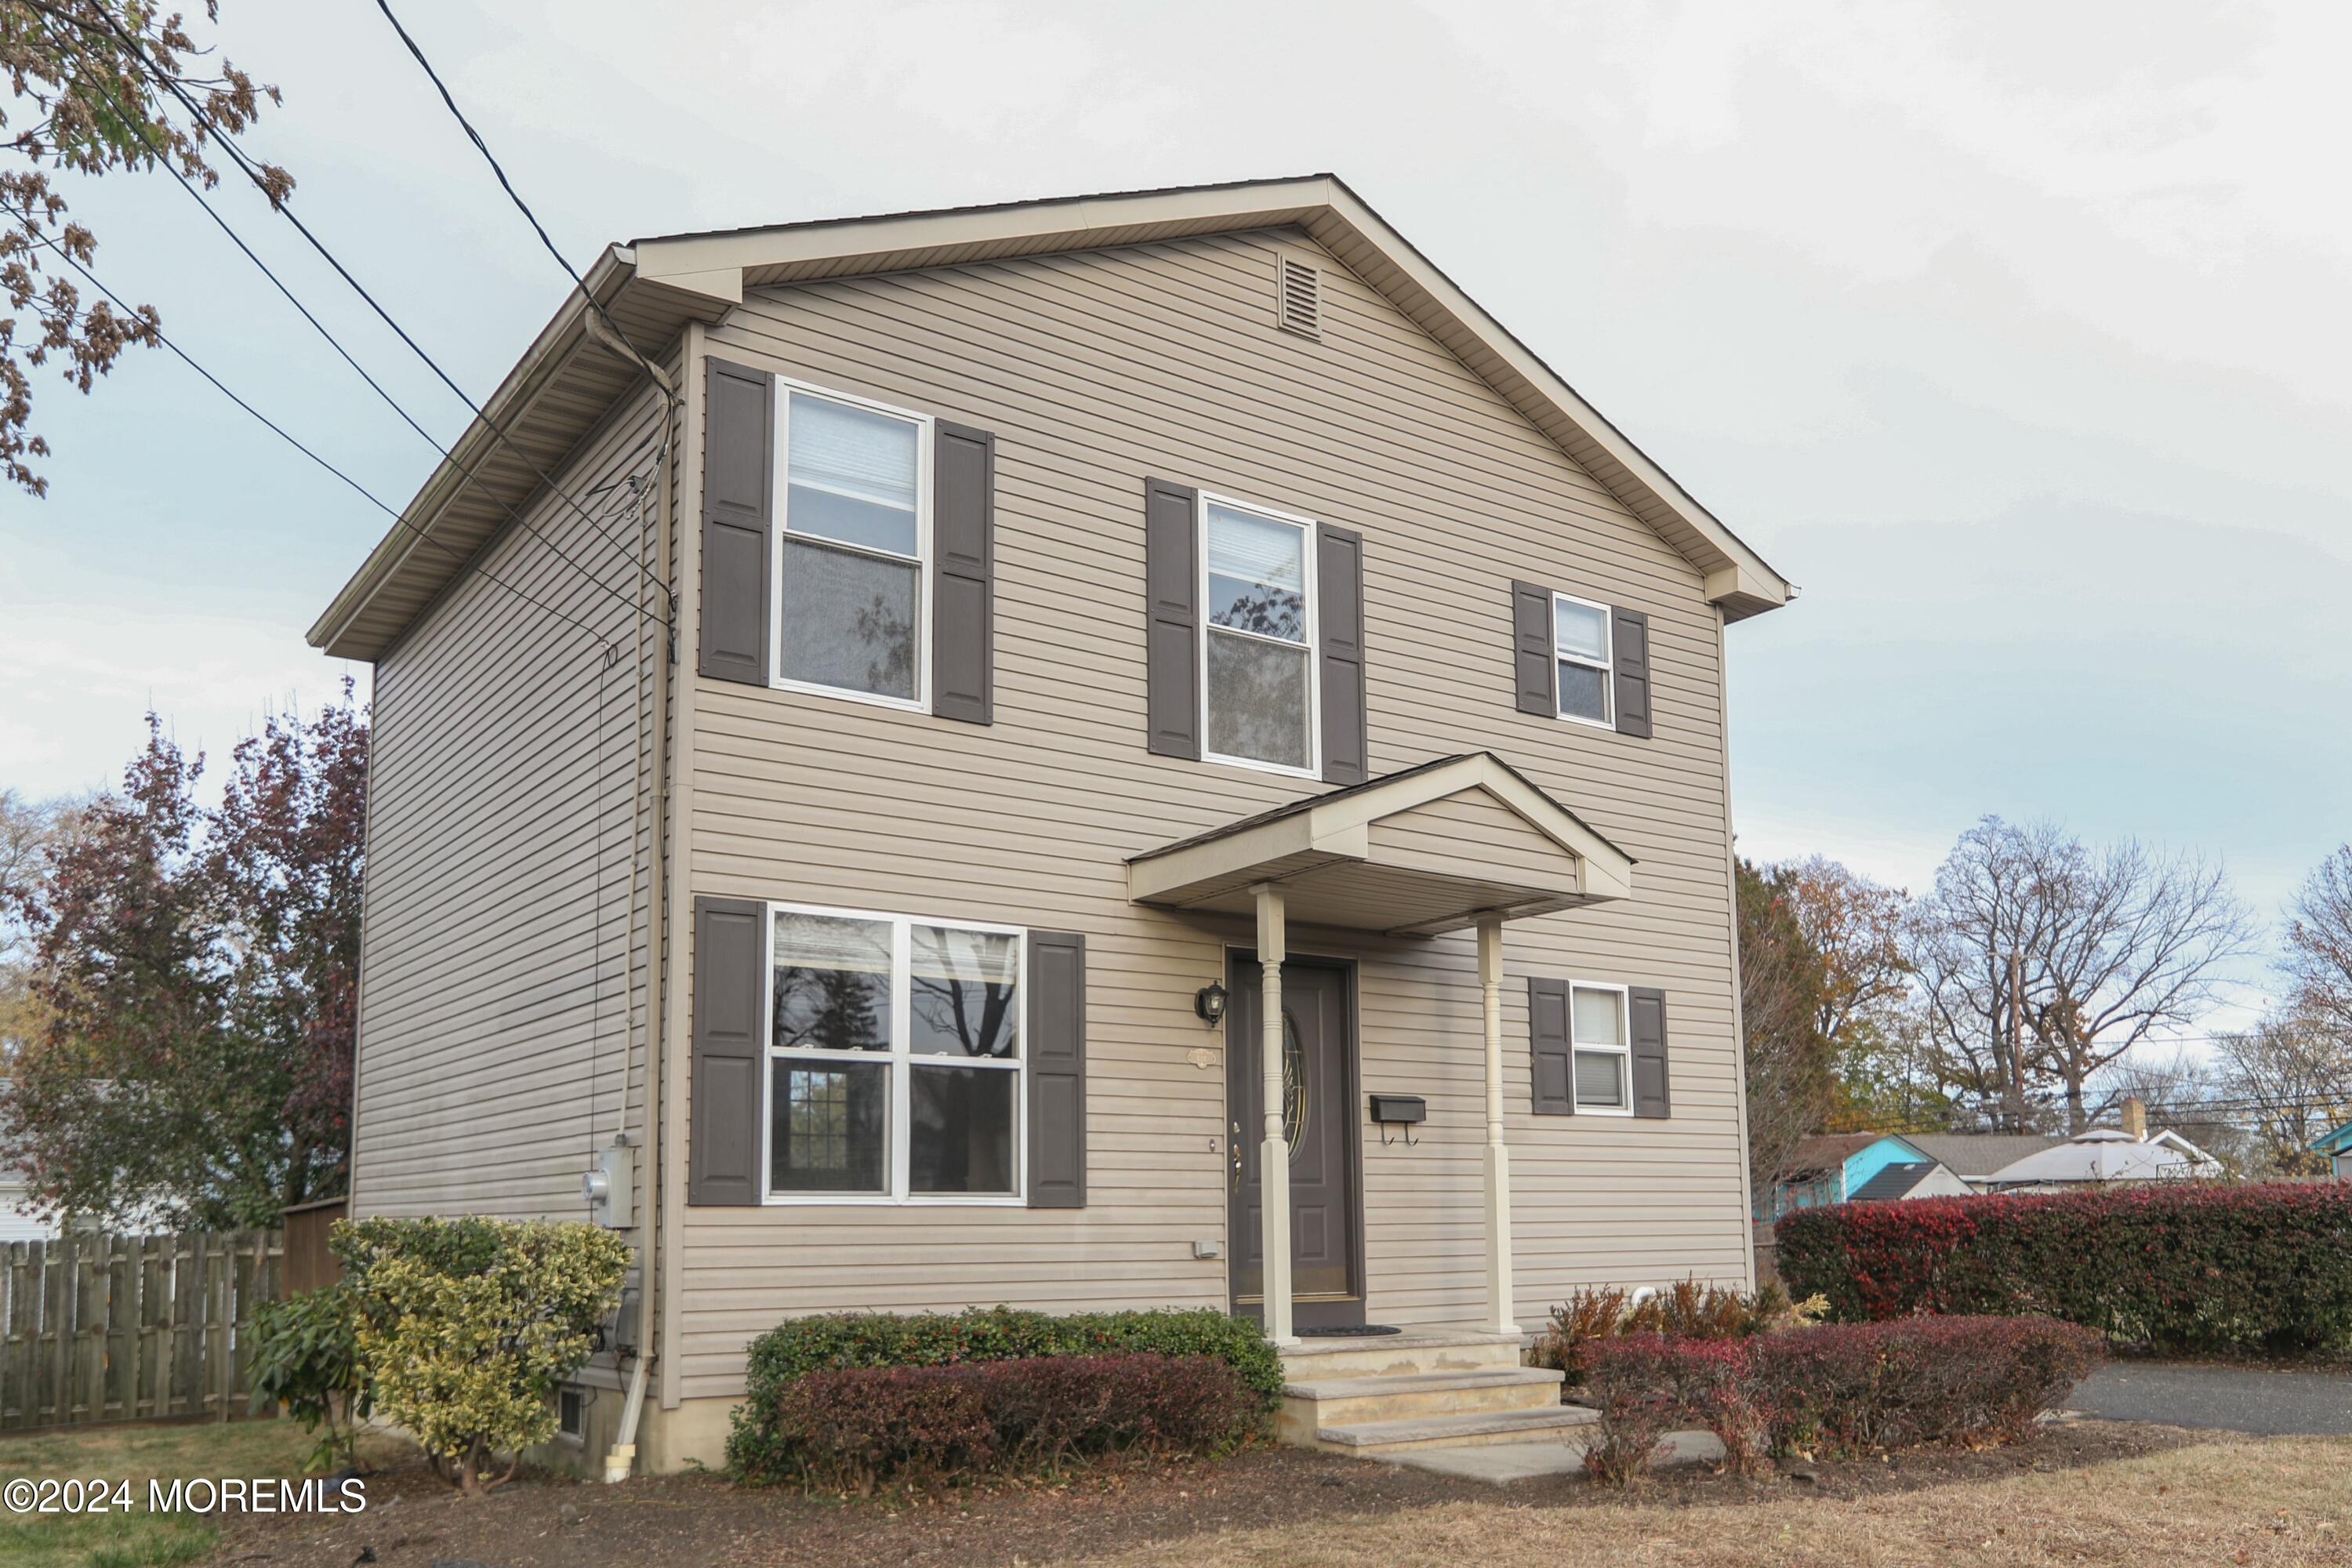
<point x="502" y="960"/>
<point x="1094" y="370"/>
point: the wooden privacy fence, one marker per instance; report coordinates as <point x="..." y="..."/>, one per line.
<point x="122" y="1328"/>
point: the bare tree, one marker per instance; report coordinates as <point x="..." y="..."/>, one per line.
<point x="2292" y="1077"/>
<point x="2319" y="947"/>
<point x="2044" y="959"/>
<point x="2187" y="1093"/>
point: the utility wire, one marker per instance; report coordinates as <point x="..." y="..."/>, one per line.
<point x="506" y="185"/>
<point x="471" y="476"/>
<point x="280" y="431"/>
<point x="171" y="84"/>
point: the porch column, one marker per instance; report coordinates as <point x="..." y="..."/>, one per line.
<point x="1501" y="1313"/>
<point x="1274" y="1183"/>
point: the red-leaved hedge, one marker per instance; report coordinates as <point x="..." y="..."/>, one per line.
<point x="861" y="1428"/>
<point x="1864" y="1388"/>
<point x="2187" y="1265"/>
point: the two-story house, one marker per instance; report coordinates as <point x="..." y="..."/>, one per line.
<point x="1121" y="751"/>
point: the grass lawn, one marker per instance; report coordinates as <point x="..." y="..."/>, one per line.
<point x="139" y="1453"/>
<point x="2278" y="1502"/>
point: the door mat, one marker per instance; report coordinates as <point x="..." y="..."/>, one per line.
<point x="1350" y="1332"/>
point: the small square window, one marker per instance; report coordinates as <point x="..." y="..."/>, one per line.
<point x="572" y="1413"/>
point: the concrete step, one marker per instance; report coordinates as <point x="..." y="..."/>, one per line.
<point x="1397" y="1355"/>
<point x="1351" y="1402"/>
<point x="1374" y="1440"/>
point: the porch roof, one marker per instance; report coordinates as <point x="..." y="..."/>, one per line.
<point x="1433" y="848"/>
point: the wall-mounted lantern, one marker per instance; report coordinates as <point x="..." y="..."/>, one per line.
<point x="1209" y="1002"/>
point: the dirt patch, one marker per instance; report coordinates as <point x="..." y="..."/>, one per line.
<point x="412" y="1521"/>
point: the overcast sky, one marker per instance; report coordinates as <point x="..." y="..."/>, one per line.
<point x="2014" y="334"/>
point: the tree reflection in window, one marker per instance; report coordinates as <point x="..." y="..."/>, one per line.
<point x="964" y="990"/>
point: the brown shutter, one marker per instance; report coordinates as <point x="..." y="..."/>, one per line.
<point x="738" y="440"/>
<point x="1339" y="579"/>
<point x="963" y="664"/>
<point x="1552" y="1061"/>
<point x="1630" y="637"/>
<point x="1648" y="1005"/>
<point x="1171" y="578"/>
<point x="1058" y="1069"/>
<point x="1534" y="660"/>
<point x="722" y="1145"/>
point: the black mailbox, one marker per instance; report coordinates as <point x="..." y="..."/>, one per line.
<point x="1407" y="1108"/>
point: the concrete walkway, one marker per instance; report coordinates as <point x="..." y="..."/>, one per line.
<point x="1502" y="1463"/>
<point x="2225" y="1398"/>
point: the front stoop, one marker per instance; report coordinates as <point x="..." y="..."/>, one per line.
<point x="1408" y="1393"/>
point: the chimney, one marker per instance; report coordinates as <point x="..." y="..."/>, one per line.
<point x="2135" y="1118"/>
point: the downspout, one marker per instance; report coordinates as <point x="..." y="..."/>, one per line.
<point x="622" y="1458"/>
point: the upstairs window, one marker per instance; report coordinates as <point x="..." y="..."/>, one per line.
<point x="1258" y="676"/>
<point x="1604" y="1072"/>
<point x="856" y="537"/>
<point x="1581" y="646"/>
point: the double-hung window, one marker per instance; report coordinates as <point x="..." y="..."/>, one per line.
<point x="895" y="1058"/>
<point x="1258" y="678"/>
<point x="853" y="548"/>
<point x="1603" y="1058"/>
<point x="1581" y="646"/>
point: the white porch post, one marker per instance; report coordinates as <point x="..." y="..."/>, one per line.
<point x="1274" y="1188"/>
<point x="1501" y="1313"/>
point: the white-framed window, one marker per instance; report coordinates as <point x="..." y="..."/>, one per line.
<point x="853" y="547"/>
<point x="894" y="1059"/>
<point x="1604" y="1057"/>
<point x="1260" y="687"/>
<point x="1583" y="647"/>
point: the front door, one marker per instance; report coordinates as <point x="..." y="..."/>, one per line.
<point x="1318" y="1074"/>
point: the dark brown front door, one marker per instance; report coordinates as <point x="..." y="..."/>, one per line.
<point x="1319" y="1120"/>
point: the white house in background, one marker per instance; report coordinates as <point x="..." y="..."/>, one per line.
<point x="16" y="1220"/>
<point x="1975" y="1156"/>
<point x="2108" y="1155"/>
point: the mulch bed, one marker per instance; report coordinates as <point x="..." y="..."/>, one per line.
<point x="412" y="1521"/>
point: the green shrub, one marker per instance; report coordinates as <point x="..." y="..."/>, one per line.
<point x="840" y="1341"/>
<point x="865" y="1426"/>
<point x="306" y="1356"/>
<point x="2177" y="1265"/>
<point x="466" y="1325"/>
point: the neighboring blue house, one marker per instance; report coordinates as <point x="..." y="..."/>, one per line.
<point x="1861" y="1167"/>
<point x="2337" y="1147"/>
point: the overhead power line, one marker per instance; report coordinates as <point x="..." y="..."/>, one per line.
<point x="508" y="185"/>
<point x="290" y="439"/>
<point x="170" y="84"/>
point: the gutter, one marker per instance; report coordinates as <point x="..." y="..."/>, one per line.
<point x="506" y="408"/>
<point x="622" y="1458"/>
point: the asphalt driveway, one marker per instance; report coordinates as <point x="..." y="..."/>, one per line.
<point x="2236" y="1399"/>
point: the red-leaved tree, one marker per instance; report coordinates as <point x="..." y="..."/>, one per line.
<point x="195" y="972"/>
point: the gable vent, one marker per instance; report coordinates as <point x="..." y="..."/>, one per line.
<point x="1298" y="297"/>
